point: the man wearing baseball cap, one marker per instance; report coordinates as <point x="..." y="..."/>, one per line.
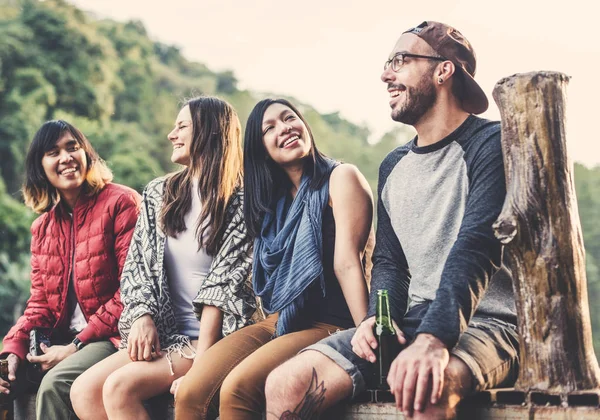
<point x="435" y="250"/>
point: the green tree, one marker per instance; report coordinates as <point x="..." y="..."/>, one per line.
<point x="15" y="221"/>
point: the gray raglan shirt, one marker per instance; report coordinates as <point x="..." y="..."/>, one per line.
<point x="434" y="238"/>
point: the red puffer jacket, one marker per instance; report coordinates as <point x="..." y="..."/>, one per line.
<point x="100" y="229"/>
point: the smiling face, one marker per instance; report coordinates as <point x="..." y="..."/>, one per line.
<point x="181" y="137"/>
<point x="65" y="165"/>
<point x="412" y="89"/>
<point x="285" y="136"/>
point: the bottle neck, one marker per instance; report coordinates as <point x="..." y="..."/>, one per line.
<point x="383" y="316"/>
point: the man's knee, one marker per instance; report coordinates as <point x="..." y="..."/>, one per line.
<point x="458" y="383"/>
<point x="289" y="381"/>
<point x="312" y="373"/>
<point x="458" y="379"/>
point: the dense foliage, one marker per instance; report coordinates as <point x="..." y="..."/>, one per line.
<point x="123" y="90"/>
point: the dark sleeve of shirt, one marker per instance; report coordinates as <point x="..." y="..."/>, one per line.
<point x="476" y="254"/>
<point x="390" y="268"/>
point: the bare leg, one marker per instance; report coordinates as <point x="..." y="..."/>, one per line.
<point x="126" y="389"/>
<point x="304" y="386"/>
<point x="86" y="391"/>
<point x="116" y="387"/>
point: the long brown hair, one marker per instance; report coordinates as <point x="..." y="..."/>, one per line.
<point x="215" y="162"/>
<point x="39" y="194"/>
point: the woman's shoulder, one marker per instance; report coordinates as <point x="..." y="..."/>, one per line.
<point x="157" y="183"/>
<point x="235" y="206"/>
<point x="237" y="198"/>
<point x="346" y="180"/>
<point x="115" y="188"/>
<point x="154" y="189"/>
<point x="344" y="173"/>
<point x="40" y="221"/>
<point x="119" y="195"/>
<point x="119" y="190"/>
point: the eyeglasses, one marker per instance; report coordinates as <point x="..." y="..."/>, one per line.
<point x="397" y="61"/>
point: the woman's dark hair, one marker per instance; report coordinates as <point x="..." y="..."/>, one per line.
<point x="39" y="194"/>
<point x="264" y="180"/>
<point x="215" y="163"/>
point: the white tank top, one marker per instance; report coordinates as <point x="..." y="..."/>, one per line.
<point x="187" y="267"/>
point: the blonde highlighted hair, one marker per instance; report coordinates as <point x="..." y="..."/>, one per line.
<point x="39" y="194"/>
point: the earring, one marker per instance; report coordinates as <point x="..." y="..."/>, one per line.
<point x="440" y="80"/>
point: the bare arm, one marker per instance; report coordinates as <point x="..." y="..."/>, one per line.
<point x="352" y="204"/>
<point x="211" y="321"/>
<point x="211" y="324"/>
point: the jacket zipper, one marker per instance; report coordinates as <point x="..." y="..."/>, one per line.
<point x="73" y="268"/>
<point x="65" y="293"/>
<point x="71" y="271"/>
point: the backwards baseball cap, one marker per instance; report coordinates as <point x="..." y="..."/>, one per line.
<point x="453" y="46"/>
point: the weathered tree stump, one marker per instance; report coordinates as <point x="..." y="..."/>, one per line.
<point x="540" y="225"/>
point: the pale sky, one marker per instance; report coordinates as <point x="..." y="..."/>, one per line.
<point x="330" y="53"/>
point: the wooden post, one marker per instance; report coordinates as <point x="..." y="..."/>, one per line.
<point x="540" y="225"/>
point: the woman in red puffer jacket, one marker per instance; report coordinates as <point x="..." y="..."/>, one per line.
<point x="78" y="248"/>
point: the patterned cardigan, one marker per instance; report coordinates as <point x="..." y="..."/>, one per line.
<point x="144" y="285"/>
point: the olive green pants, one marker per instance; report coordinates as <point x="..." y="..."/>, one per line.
<point x="53" y="402"/>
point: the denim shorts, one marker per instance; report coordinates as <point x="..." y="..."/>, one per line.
<point x="489" y="347"/>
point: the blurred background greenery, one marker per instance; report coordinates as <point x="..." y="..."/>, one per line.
<point x="123" y="90"/>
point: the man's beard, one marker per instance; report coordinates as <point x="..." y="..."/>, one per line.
<point x="418" y="101"/>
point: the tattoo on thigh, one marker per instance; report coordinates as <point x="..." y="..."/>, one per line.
<point x="309" y="407"/>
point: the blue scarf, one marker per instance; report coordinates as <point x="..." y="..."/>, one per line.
<point x="288" y="254"/>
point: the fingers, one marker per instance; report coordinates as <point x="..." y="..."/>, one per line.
<point x="4" y="387"/>
<point x="175" y="386"/>
<point x="44" y="348"/>
<point x="156" y="345"/>
<point x="147" y="352"/>
<point x="364" y="350"/>
<point x="143" y="349"/>
<point x="437" y="385"/>
<point x="422" y="389"/>
<point x="408" y="392"/>
<point x="35" y="359"/>
<point x="133" y="347"/>
<point x="391" y="377"/>
<point x="141" y="344"/>
<point x="364" y="340"/>
<point x="13" y="365"/>
<point x="368" y="332"/>
<point x="396" y="382"/>
<point x="401" y="338"/>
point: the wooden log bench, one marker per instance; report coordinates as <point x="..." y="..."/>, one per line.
<point x="373" y="405"/>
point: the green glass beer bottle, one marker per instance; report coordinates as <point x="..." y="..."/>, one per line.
<point x="388" y="346"/>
